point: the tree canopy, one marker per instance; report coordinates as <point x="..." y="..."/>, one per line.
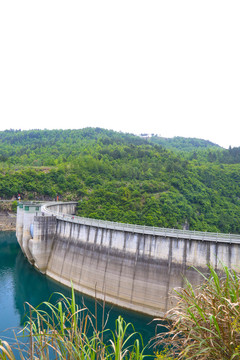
<point x="127" y="178"/>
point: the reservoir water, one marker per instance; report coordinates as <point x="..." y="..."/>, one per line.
<point x="21" y="283"/>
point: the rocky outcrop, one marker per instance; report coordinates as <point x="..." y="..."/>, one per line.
<point x="7" y="221"/>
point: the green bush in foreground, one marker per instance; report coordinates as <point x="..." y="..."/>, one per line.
<point x="61" y="332"/>
<point x="206" y="320"/>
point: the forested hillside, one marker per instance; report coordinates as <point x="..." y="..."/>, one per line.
<point x="183" y="144"/>
<point x="126" y="178"/>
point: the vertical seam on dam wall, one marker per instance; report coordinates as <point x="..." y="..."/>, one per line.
<point x="208" y="253"/>
<point x="52" y="245"/>
<point x="169" y="271"/>
<point x="135" y="265"/>
<point x="85" y="247"/>
<point x="184" y="261"/>
<point x="229" y="255"/>
<point x="121" y="268"/>
<point x="66" y="250"/>
<point x="216" y="256"/>
<point x="101" y="244"/>
<point x="170" y="256"/>
<point x="106" y="265"/>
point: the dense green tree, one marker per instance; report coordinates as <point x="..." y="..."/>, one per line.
<point x="122" y="177"/>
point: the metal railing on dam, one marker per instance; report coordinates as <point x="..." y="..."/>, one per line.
<point x="128" y="265"/>
<point x="150" y="230"/>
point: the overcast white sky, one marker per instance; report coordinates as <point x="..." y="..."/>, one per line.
<point x="166" y="67"/>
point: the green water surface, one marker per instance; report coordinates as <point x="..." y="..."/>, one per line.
<point x="21" y="283"/>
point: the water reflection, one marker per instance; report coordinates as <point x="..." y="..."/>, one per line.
<point x="9" y="316"/>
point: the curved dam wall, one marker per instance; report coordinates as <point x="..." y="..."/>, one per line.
<point x="135" y="267"/>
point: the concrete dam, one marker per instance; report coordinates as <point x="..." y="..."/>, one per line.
<point x="131" y="266"/>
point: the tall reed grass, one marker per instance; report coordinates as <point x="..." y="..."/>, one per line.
<point x="65" y="331"/>
<point x="206" y="321"/>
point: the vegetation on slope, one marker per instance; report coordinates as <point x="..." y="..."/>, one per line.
<point x="183" y="144"/>
<point x="125" y="178"/>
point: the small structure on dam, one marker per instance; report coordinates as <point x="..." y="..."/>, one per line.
<point x="132" y="266"/>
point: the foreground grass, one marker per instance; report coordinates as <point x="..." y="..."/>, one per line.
<point x="61" y="332"/>
<point x="206" y="320"/>
<point x="205" y="326"/>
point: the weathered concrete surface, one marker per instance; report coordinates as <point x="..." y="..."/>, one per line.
<point x="41" y="245"/>
<point x="133" y="268"/>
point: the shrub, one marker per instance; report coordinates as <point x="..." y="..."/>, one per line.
<point x="206" y="320"/>
<point x="14" y="206"/>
